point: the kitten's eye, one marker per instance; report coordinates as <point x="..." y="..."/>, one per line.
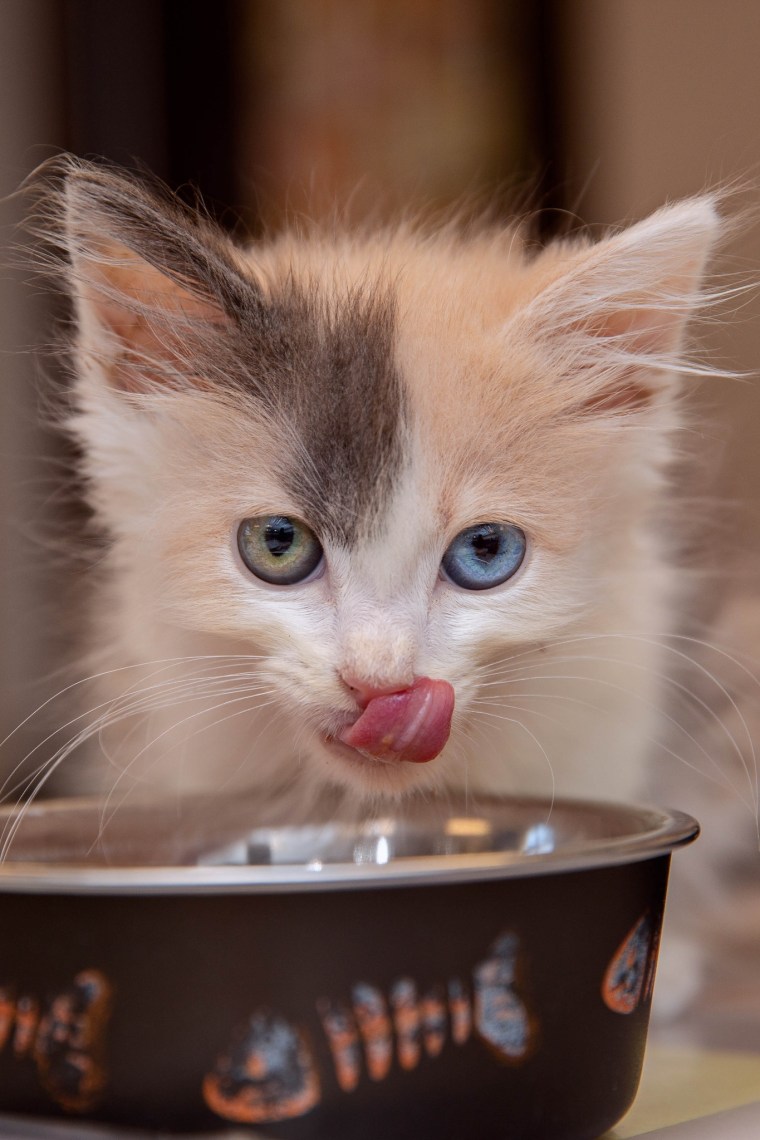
<point x="484" y="555"/>
<point x="279" y="550"/>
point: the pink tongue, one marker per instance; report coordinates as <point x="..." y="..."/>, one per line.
<point x="411" y="725"/>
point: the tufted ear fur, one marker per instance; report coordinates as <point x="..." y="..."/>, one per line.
<point x="148" y="277"/>
<point x="615" y="312"/>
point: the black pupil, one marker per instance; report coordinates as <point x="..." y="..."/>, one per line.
<point x="485" y="544"/>
<point x="279" y="536"/>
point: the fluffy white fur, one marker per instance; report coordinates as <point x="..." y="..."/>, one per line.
<point x="544" y="392"/>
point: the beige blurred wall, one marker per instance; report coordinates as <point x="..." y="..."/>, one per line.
<point x="660" y="99"/>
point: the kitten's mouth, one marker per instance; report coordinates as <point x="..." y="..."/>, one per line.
<point x="412" y="725"/>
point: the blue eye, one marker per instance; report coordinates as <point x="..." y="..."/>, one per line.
<point x="279" y="550"/>
<point x="484" y="555"/>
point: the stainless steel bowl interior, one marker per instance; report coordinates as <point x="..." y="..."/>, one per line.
<point x="86" y="845"/>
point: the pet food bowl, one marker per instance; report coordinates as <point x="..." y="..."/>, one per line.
<point x="484" y="972"/>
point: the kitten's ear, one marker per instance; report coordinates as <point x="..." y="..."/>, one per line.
<point x="616" y="311"/>
<point x="148" y="277"/>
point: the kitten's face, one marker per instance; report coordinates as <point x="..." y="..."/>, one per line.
<point x="403" y="462"/>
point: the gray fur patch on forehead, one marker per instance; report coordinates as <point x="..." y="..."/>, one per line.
<point x="318" y="361"/>
<point x="328" y="372"/>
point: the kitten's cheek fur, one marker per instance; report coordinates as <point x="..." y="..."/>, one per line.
<point x="412" y="725"/>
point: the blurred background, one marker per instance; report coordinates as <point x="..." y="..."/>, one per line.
<point x="593" y="111"/>
<point x="596" y="110"/>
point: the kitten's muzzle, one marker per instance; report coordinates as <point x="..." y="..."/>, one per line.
<point x="412" y="724"/>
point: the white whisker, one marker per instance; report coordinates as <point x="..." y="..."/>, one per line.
<point x="533" y="737"/>
<point x="653" y="705"/>
<point x="83" y="681"/>
<point x="501" y="673"/>
<point x="106" y="818"/>
<point x="132" y="703"/>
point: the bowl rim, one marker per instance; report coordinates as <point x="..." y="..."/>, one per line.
<point x="661" y="831"/>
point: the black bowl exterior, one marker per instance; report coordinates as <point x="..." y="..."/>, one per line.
<point x="510" y="1008"/>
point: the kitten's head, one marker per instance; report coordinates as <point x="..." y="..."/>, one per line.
<point x="380" y="463"/>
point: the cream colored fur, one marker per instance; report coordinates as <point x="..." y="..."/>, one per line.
<point x="544" y="392"/>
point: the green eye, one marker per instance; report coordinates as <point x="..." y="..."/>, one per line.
<point x="278" y="549"/>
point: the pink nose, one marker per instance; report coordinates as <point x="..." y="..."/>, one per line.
<point x="365" y="691"/>
<point x="409" y="724"/>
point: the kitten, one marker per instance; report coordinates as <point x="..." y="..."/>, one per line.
<point x="383" y="510"/>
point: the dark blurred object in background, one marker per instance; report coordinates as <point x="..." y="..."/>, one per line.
<point x="393" y="105"/>
<point x="153" y="83"/>
<point x="303" y="106"/>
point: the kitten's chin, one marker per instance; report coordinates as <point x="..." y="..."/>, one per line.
<point x="370" y="775"/>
